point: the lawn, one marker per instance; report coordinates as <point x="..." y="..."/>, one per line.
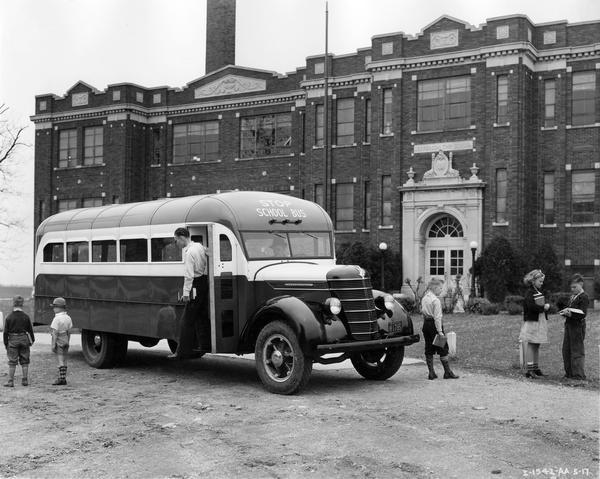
<point x="491" y="344"/>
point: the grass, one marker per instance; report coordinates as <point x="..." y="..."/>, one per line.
<point x="491" y="344"/>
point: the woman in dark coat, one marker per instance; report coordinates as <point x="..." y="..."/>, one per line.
<point x="535" y="329"/>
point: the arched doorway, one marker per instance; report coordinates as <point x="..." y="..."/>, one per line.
<point x="444" y="248"/>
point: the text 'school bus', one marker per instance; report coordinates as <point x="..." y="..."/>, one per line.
<point x="275" y="289"/>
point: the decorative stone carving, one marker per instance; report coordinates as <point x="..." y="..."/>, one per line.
<point x="443" y="39"/>
<point x="502" y="32"/>
<point x="79" y="99"/>
<point x="387" y="48"/>
<point x="230" y="85"/>
<point x="441" y="166"/>
<point x="411" y="176"/>
<point x="474" y="169"/>
<point x="549" y="37"/>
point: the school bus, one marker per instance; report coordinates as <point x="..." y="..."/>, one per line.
<point x="274" y="287"/>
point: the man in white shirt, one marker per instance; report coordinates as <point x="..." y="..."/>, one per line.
<point x="194" y="327"/>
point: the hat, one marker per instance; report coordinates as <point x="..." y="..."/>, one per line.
<point x="59" y="303"/>
<point x="18" y="301"/>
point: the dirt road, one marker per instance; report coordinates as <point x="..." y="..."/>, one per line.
<point x="212" y="418"/>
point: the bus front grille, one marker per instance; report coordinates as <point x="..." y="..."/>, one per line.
<point x="357" y="305"/>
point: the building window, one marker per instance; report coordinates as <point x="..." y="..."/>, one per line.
<point x="345" y="121"/>
<point x="446" y="227"/>
<point x="344" y="207"/>
<point x="502" y="99"/>
<point x="456" y="261"/>
<point x="549" y="102"/>
<point x="156" y="98"/>
<point x="93" y="145"/>
<point x="65" y="205"/>
<point x="319" y="198"/>
<point x="319" y="122"/>
<point x="196" y="142"/>
<point x="501" y="191"/>
<point x="67" y="149"/>
<point x="139" y="97"/>
<point x="156" y="144"/>
<point x="266" y="135"/>
<point x="368" y="121"/>
<point x="386" y="112"/>
<point x="92" y="202"/>
<point x="367" y="206"/>
<point x="319" y="68"/>
<point x="584" y="98"/>
<point x="116" y="95"/>
<point x="387" y="48"/>
<point x="386" y="200"/>
<point x="444" y="104"/>
<point x="436" y="262"/>
<point x="583" y="189"/>
<point x="548" y="198"/>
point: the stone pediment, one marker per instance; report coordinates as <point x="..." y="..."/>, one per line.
<point x="230" y="85"/>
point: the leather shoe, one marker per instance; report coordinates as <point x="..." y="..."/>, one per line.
<point x="539" y="372"/>
<point x="530" y="375"/>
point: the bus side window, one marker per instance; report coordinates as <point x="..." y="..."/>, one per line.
<point x="104" y="251"/>
<point x="54" y="253"/>
<point x="198" y="239"/>
<point x="134" y="250"/>
<point x="78" y="252"/>
<point x="225" y="248"/>
<point x="164" y="249"/>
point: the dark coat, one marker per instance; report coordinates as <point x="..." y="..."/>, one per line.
<point x="580" y="302"/>
<point x="531" y="310"/>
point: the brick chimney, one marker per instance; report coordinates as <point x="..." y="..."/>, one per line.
<point x="220" y="34"/>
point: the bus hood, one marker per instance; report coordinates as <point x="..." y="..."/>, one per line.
<point x="294" y="271"/>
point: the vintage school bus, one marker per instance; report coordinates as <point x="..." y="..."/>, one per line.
<point x="274" y="287"/>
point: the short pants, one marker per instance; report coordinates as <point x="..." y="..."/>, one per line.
<point x="18" y="349"/>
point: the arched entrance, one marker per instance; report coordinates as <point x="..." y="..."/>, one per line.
<point x="444" y="248"/>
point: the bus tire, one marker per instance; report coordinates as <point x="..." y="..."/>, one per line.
<point x="100" y="349"/>
<point x="280" y="362"/>
<point x="378" y="365"/>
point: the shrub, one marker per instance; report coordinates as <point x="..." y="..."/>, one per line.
<point x="543" y="257"/>
<point x="500" y="269"/>
<point x="476" y="305"/>
<point x="490" y="308"/>
<point x="514" y="304"/>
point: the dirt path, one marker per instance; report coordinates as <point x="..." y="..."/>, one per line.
<point x="212" y="418"/>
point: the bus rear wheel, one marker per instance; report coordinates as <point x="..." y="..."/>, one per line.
<point x="378" y="365"/>
<point x="102" y="350"/>
<point x="280" y="362"/>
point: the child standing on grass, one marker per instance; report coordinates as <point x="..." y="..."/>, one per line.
<point x="18" y="337"/>
<point x="61" y="333"/>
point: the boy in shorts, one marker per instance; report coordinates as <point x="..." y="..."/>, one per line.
<point x="18" y="337"/>
<point x="61" y="333"/>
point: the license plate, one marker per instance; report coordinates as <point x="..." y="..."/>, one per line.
<point x="395" y="327"/>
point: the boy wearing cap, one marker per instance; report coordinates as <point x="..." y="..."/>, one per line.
<point x="18" y="337"/>
<point x="60" y="329"/>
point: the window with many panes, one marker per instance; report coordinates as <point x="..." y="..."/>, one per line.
<point x="93" y="145"/>
<point x="549" y="103"/>
<point x="319" y="122"/>
<point x="583" y="191"/>
<point x="584" y="98"/>
<point x="456" y="261"/>
<point x="386" y="200"/>
<point x="501" y="194"/>
<point x="387" y="127"/>
<point x="91" y="202"/>
<point x="266" y="135"/>
<point x="345" y="121"/>
<point x="196" y="142"/>
<point x="344" y="206"/>
<point x="444" y="104"/>
<point x="319" y="196"/>
<point x="548" y="198"/>
<point x="67" y="149"/>
<point x="446" y="227"/>
<point x="368" y="121"/>
<point x="436" y="262"/>
<point x="502" y="99"/>
<point x="64" y="205"/>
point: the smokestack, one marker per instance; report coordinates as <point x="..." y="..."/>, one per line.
<point x="220" y="34"/>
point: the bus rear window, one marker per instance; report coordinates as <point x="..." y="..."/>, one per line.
<point x="134" y="250"/>
<point x="104" y="251"/>
<point x="164" y="249"/>
<point x="54" y="253"/>
<point x="78" y="252"/>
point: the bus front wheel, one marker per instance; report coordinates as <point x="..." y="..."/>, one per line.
<point x="280" y="362"/>
<point x="378" y="365"/>
<point x="102" y="350"/>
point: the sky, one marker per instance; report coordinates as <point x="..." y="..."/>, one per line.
<point x="46" y="46"/>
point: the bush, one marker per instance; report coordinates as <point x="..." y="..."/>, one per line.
<point x="500" y="269"/>
<point x="543" y="257"/>
<point x="482" y="306"/>
<point x="514" y="304"/>
<point x="489" y="309"/>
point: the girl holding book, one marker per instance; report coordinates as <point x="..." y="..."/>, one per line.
<point x="535" y="329"/>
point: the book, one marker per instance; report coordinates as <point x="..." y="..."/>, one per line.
<point x="539" y="299"/>
<point x="439" y="341"/>
<point x="570" y="310"/>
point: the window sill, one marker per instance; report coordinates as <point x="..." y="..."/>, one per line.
<point x="385" y="227"/>
<point x="547" y="225"/>
<point x="318" y="147"/>
<point x="344" y="231"/>
<point x="581" y="225"/>
<point x="576" y="127"/>
<point x="365" y="230"/>
<point x="549" y="128"/>
<point x="415" y="132"/>
<point x="343" y="146"/>
<point x="500" y="125"/>
<point x="385" y="135"/>
<point x="366" y="143"/>
<point x="155" y="165"/>
<point x="77" y="167"/>
<point x="188" y="163"/>
<point x="505" y="223"/>
<point x="264" y="157"/>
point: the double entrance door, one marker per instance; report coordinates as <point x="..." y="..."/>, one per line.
<point x="445" y="258"/>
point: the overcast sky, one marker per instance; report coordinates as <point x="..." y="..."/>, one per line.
<point x="46" y="46"/>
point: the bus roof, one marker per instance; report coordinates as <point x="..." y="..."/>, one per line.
<point x="238" y="210"/>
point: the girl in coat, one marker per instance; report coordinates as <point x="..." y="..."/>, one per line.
<point x="534" y="330"/>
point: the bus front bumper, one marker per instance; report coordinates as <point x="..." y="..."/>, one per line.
<point x="371" y="345"/>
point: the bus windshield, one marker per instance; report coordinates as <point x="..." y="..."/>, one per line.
<point x="282" y="245"/>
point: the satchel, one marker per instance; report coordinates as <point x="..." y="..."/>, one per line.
<point x="439" y="341"/>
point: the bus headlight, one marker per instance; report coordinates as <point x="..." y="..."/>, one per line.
<point x="334" y="305"/>
<point x="388" y="300"/>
